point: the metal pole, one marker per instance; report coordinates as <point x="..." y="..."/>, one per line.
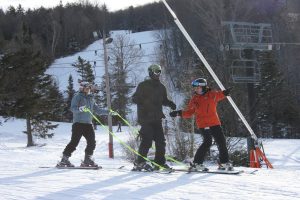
<point x="108" y="100"/>
<point x="212" y="73"/>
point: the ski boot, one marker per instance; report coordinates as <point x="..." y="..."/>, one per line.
<point x="65" y="162"/>
<point x="143" y="166"/>
<point x="194" y="167"/>
<point x="88" y="162"/>
<point x="226" y="166"/>
<point x="163" y="167"/>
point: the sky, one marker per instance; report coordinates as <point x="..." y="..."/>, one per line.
<point x="112" y="5"/>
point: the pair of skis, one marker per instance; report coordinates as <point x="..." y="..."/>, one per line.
<point x="234" y="172"/>
<point x="76" y="167"/>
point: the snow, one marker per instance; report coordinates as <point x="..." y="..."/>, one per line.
<point x="21" y="177"/>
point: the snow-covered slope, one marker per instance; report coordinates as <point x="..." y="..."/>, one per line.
<point x="61" y="68"/>
<point x="21" y="177"/>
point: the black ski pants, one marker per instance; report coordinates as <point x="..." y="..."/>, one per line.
<point x="152" y="131"/>
<point x="79" y="130"/>
<point x="217" y="133"/>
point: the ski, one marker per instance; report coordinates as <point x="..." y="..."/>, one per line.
<point x="76" y="167"/>
<point x="211" y="171"/>
<point x="91" y="168"/>
<point x="155" y="171"/>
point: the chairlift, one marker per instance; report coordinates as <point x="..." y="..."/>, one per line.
<point x="245" y="71"/>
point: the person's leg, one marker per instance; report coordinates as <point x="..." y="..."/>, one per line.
<point x="220" y="139"/>
<point x="89" y="134"/>
<point x="75" y="138"/>
<point x="204" y="147"/>
<point x="160" y="143"/>
<point x="146" y="135"/>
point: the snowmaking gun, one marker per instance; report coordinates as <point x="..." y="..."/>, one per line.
<point x="256" y="155"/>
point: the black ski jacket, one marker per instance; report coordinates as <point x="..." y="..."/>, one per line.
<point x="150" y="96"/>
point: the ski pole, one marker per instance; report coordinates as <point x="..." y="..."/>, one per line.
<point x="136" y="131"/>
<point x="123" y="143"/>
<point x="204" y="61"/>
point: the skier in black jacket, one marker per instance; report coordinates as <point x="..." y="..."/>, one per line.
<point x="150" y="96"/>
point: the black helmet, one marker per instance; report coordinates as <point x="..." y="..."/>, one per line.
<point x="154" y="71"/>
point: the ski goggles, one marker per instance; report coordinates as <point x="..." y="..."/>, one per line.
<point x="85" y="85"/>
<point x="198" y="84"/>
<point x="156" y="71"/>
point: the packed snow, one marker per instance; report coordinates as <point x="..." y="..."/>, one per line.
<point x="22" y="178"/>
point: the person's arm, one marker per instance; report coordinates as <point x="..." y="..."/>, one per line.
<point x="187" y="113"/>
<point x="75" y="104"/>
<point x="136" y="97"/>
<point x="190" y="110"/>
<point x="218" y="95"/>
<point x="166" y="101"/>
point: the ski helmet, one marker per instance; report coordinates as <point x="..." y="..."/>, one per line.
<point x="154" y="71"/>
<point x="84" y="84"/>
<point x="202" y="83"/>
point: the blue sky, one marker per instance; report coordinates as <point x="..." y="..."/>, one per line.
<point x="111" y="4"/>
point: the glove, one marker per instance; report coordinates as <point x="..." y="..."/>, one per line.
<point x="172" y="105"/>
<point x="227" y="91"/>
<point x="83" y="109"/>
<point x="176" y="113"/>
<point x="113" y="113"/>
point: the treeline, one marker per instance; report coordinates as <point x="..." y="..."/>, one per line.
<point x="59" y="31"/>
<point x="143" y="18"/>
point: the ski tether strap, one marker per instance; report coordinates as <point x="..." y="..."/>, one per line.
<point x="212" y="73"/>
<point x="123" y="143"/>
<point x="136" y="131"/>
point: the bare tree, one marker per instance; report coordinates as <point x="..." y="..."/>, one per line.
<point x="124" y="55"/>
<point x="55" y="37"/>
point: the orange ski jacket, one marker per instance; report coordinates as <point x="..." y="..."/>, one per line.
<point x="205" y="108"/>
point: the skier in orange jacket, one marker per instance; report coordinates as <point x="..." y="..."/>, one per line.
<point x="204" y="106"/>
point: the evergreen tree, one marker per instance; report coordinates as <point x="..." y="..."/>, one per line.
<point x="24" y="87"/>
<point x="278" y="109"/>
<point x="84" y="68"/>
<point x="70" y="93"/>
<point x="120" y="91"/>
<point x="54" y="104"/>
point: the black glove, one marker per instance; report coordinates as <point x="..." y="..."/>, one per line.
<point x="226" y="92"/>
<point x="176" y="113"/>
<point x="172" y="105"/>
